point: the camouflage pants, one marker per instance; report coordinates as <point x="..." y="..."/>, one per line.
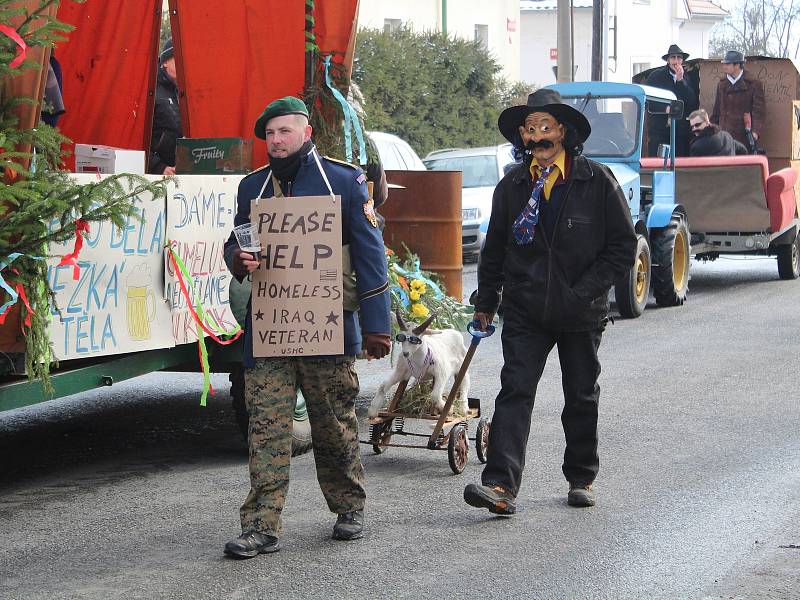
<point x="330" y="387"/>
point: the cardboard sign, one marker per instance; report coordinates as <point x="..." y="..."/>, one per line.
<point x="117" y="304"/>
<point x="781" y="83"/>
<point x="297" y="288"/>
<point x="200" y="214"/>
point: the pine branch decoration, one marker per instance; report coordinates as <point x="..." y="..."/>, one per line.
<point x="40" y="203"/>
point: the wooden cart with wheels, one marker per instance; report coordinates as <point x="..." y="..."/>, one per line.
<point x="449" y="432"/>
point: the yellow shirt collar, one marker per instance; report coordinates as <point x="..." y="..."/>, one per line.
<point x="560" y="163"/>
<point x="561" y="169"/>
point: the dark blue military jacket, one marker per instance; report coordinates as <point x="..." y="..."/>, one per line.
<point x="366" y="243"/>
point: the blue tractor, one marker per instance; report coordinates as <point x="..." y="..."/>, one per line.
<point x="618" y="114"/>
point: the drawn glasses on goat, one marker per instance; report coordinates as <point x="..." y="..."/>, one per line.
<point x="411" y="339"/>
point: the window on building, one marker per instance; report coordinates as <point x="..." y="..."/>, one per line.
<point x="391" y="25"/>
<point x="482" y="35"/>
<point x="638" y="67"/>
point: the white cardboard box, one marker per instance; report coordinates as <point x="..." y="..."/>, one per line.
<point x="108" y="160"/>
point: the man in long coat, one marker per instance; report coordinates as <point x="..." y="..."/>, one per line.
<point x="738" y="95"/>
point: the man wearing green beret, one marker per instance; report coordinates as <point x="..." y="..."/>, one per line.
<point x="329" y="383"/>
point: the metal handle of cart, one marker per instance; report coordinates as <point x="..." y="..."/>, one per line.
<point x="477" y="335"/>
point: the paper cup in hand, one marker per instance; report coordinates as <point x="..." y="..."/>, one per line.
<point x="247" y="236"/>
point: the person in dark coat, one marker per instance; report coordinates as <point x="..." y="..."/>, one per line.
<point x="671" y="77"/>
<point x="166" y="116"/>
<point x="559" y="235"/>
<point x="739" y="94"/>
<point x="710" y="140"/>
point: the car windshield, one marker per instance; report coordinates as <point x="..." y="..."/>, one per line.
<point x="614" y="124"/>
<point x="478" y="170"/>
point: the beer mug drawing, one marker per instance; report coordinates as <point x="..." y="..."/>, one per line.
<point x="141" y="303"/>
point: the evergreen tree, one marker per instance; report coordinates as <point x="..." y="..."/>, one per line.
<point x="39" y="203"/>
<point x="433" y="90"/>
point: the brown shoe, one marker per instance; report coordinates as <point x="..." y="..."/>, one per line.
<point x="497" y="499"/>
<point x="580" y="495"/>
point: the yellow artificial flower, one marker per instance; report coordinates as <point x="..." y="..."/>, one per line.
<point x="419" y="310"/>
<point x="419" y="286"/>
<point x="414" y="295"/>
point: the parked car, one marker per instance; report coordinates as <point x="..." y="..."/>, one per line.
<point x="482" y="169"/>
<point x="395" y="153"/>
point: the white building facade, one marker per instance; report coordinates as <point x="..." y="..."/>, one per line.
<point x="496" y="23"/>
<point x="638" y="33"/>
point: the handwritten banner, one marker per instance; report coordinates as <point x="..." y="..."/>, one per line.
<point x="297" y="288"/>
<point x="199" y="219"/>
<point x="781" y="83"/>
<point x="116" y="305"/>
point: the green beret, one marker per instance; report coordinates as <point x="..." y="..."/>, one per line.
<point x="278" y="108"/>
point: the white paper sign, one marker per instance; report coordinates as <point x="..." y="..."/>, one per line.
<point x="200" y="216"/>
<point x="117" y="304"/>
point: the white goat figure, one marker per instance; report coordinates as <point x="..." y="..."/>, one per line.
<point x="435" y="354"/>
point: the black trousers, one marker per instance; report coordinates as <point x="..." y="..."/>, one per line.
<point x="525" y="351"/>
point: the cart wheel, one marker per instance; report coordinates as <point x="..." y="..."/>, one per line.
<point x="482" y="438"/>
<point x="458" y="448"/>
<point x="377" y="433"/>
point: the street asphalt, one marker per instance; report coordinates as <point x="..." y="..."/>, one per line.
<point x="132" y="491"/>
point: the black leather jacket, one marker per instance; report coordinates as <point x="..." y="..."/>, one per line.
<point x="561" y="285"/>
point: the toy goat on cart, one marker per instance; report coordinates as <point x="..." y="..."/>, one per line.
<point x="433" y="355"/>
<point x="436" y="356"/>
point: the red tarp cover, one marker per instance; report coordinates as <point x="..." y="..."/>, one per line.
<point x="109" y="71"/>
<point x="232" y="59"/>
<point x="235" y="57"/>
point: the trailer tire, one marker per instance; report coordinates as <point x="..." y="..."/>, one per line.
<point x="789" y="259"/>
<point x="633" y="290"/>
<point x="301" y="428"/>
<point x="669" y="247"/>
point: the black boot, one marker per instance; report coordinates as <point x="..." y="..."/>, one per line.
<point x="252" y="543"/>
<point x="349" y="526"/>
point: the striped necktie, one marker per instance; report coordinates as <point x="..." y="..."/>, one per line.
<point x="526" y="222"/>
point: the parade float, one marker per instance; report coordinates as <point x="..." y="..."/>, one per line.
<point x="107" y="277"/>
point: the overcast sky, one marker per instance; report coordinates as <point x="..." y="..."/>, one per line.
<point x="732" y="5"/>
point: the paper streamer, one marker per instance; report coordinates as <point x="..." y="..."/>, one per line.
<point x="22" y="49"/>
<point x="13" y="292"/>
<point x="200" y="317"/>
<point x="81" y="227"/>
<point x="350" y="120"/>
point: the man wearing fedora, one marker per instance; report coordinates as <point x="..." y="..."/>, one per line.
<point x="739" y="102"/>
<point x="329" y="383"/>
<point x="559" y="236"/>
<point x="672" y="77"/>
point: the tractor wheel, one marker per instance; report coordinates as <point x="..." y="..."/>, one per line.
<point x="669" y="247"/>
<point x="789" y="259"/>
<point x="301" y="428"/>
<point x="633" y="290"/>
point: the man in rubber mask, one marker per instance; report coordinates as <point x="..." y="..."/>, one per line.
<point x="559" y="236"/>
<point x="329" y="384"/>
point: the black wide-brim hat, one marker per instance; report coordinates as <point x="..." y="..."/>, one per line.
<point x="675" y="49"/>
<point x="543" y="100"/>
